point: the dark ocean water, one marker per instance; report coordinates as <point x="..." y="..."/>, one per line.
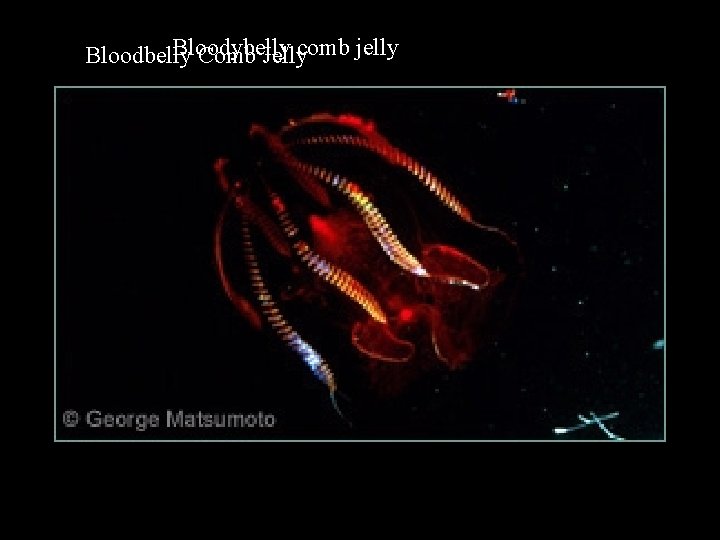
<point x="575" y="175"/>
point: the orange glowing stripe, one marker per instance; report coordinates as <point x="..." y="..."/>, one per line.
<point x="375" y="221"/>
<point x="397" y="157"/>
<point x="342" y="280"/>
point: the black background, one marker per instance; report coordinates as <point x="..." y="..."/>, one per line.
<point x="576" y="175"/>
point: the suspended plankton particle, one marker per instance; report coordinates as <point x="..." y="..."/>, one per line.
<point x="593" y="420"/>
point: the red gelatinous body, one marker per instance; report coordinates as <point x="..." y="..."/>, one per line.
<point x="356" y="270"/>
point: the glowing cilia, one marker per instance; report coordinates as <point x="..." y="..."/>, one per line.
<point x="392" y="294"/>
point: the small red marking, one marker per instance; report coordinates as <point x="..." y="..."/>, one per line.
<point x="406" y="315"/>
<point x="278" y="205"/>
<point x="351" y="120"/>
<point x="356" y="122"/>
<point x="220" y="163"/>
<point x="219" y="168"/>
<point x="257" y="129"/>
<point x="508" y="94"/>
<point x="323" y="230"/>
